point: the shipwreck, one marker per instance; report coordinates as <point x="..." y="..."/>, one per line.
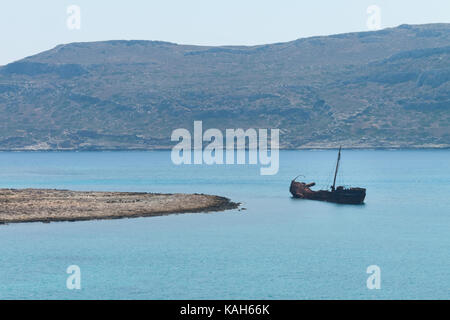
<point x="338" y="194"/>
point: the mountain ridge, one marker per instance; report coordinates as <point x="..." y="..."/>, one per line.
<point x="387" y="89"/>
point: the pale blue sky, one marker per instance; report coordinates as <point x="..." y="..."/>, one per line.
<point x="28" y="27"/>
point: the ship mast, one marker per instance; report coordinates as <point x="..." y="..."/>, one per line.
<point x="337" y="167"/>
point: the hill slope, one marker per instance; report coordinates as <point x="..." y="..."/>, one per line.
<point x="389" y="88"/>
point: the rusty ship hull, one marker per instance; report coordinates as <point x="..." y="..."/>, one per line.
<point x="336" y="194"/>
<point x="342" y="195"/>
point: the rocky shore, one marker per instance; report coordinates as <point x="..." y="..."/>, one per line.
<point x="47" y="205"/>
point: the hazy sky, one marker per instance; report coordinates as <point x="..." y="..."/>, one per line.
<point x="28" y="27"/>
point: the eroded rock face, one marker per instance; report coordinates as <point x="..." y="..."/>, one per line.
<point x="29" y="205"/>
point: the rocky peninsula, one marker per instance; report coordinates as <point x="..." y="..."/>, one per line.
<point x="47" y="205"/>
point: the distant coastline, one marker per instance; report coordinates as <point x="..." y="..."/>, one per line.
<point x="169" y="148"/>
<point x="51" y="205"/>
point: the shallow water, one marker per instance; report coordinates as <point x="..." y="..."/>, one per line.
<point x="278" y="248"/>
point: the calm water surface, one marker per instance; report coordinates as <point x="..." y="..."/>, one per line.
<point x="278" y="248"/>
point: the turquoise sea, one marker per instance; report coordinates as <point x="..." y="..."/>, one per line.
<point x="278" y="248"/>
